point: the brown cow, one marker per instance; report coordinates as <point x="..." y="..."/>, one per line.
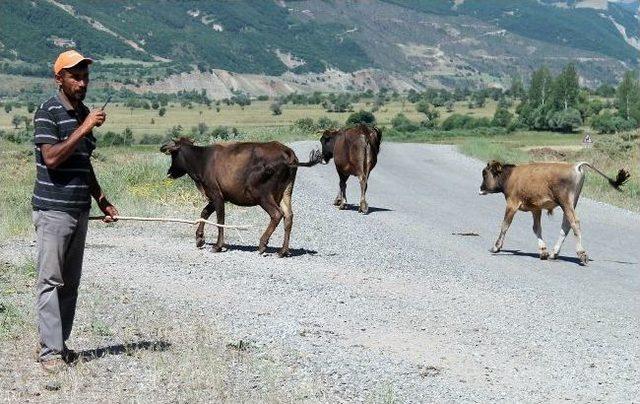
<point x="542" y="186"/>
<point x="355" y="152"/>
<point x="245" y="174"/>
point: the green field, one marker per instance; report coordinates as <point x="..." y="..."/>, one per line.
<point x="250" y="118"/>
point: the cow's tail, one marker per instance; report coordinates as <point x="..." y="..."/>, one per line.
<point x="315" y="157"/>
<point x="621" y="178"/>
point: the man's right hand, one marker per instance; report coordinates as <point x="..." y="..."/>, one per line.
<point x="95" y="118"/>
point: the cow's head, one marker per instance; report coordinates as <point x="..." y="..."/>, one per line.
<point x="491" y="178"/>
<point x="172" y="148"/>
<point x="327" y="141"/>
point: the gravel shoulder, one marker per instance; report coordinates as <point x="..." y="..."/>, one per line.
<point x="393" y="306"/>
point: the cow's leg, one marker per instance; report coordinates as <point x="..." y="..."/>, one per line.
<point x="272" y="208"/>
<point x="219" y="206"/>
<point x="364" y="208"/>
<point x="506" y="222"/>
<point x="564" y="230"/>
<point x="341" y="199"/>
<point x="206" y="212"/>
<point x="537" y="229"/>
<point x="566" y="224"/>
<point x="574" y="222"/>
<point x="285" y="206"/>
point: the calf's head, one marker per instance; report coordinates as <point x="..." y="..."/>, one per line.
<point x="492" y="178"/>
<point x="173" y="148"/>
<point x="327" y="141"/>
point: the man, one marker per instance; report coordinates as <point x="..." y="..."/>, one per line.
<point x="65" y="183"/>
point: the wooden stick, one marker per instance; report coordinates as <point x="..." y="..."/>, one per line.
<point x="174" y="220"/>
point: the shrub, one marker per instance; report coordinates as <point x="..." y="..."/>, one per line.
<point x="152" y="139"/>
<point x="325" y="123"/>
<point x="305" y="124"/>
<point x="116" y="139"/>
<point x="276" y="108"/>
<point x="361" y="116"/>
<point x="606" y="122"/>
<point x="502" y="118"/>
<point x="567" y="120"/>
<point x="403" y="124"/>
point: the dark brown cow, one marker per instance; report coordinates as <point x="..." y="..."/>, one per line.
<point x="355" y="152"/>
<point x="245" y="174"/>
<point x="542" y="186"/>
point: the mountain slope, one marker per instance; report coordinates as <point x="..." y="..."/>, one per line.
<point x="422" y="42"/>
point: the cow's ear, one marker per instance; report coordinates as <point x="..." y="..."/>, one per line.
<point x="169" y="147"/>
<point x="495" y="167"/>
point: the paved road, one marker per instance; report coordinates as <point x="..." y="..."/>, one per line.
<point x="393" y="304"/>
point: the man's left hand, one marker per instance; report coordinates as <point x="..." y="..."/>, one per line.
<point x="108" y="209"/>
<point x="110" y="212"/>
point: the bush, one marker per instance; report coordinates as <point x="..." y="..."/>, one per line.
<point x="502" y="118"/>
<point x="116" y="139"/>
<point x="606" y="122"/>
<point x="263" y="97"/>
<point x="361" y="116"/>
<point x="162" y="111"/>
<point x="18" y="136"/>
<point x="567" y="120"/>
<point x="223" y="133"/>
<point x="459" y="121"/>
<point x="276" y="108"/>
<point x="325" y="123"/>
<point x="403" y="124"/>
<point x="305" y="124"/>
<point x="152" y="139"/>
<point x="614" y="146"/>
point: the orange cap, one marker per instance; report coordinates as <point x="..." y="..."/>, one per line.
<point x="68" y="59"/>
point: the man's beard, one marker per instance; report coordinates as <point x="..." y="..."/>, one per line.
<point x="79" y="96"/>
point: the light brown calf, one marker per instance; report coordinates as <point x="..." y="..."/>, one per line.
<point x="542" y="186"/>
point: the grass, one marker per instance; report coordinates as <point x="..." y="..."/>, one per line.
<point x="170" y="357"/>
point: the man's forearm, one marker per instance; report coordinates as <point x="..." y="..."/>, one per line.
<point x="56" y="154"/>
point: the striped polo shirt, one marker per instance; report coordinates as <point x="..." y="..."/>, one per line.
<point x="66" y="187"/>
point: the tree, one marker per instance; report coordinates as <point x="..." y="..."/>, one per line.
<point x="540" y="89"/>
<point x="430" y="114"/>
<point x="276" y="108"/>
<point x="449" y="105"/>
<point x="7" y="108"/>
<point x="17" y="120"/>
<point x="628" y="94"/>
<point x="202" y="128"/>
<point x="502" y="117"/>
<point x="517" y="87"/>
<point x="566" y="88"/>
<point x="162" y="111"/>
<point x="155" y="105"/>
<point x="31" y="107"/>
<point x="403" y="124"/>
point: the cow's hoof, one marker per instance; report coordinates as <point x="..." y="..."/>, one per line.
<point x="284" y="253"/>
<point x="364" y="208"/>
<point x="553" y="256"/>
<point x="544" y="255"/>
<point x="199" y="241"/>
<point x="262" y="249"/>
<point x="494" y="250"/>
<point x="217" y="249"/>
<point x="342" y="206"/>
<point x="584" y="258"/>
<point x="337" y="202"/>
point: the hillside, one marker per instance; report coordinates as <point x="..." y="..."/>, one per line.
<point x="283" y="46"/>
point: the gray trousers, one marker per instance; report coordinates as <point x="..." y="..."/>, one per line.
<point x="60" y="242"/>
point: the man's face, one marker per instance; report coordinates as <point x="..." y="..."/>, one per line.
<point x="74" y="81"/>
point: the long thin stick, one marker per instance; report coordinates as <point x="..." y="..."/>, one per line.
<point x="174" y="220"/>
